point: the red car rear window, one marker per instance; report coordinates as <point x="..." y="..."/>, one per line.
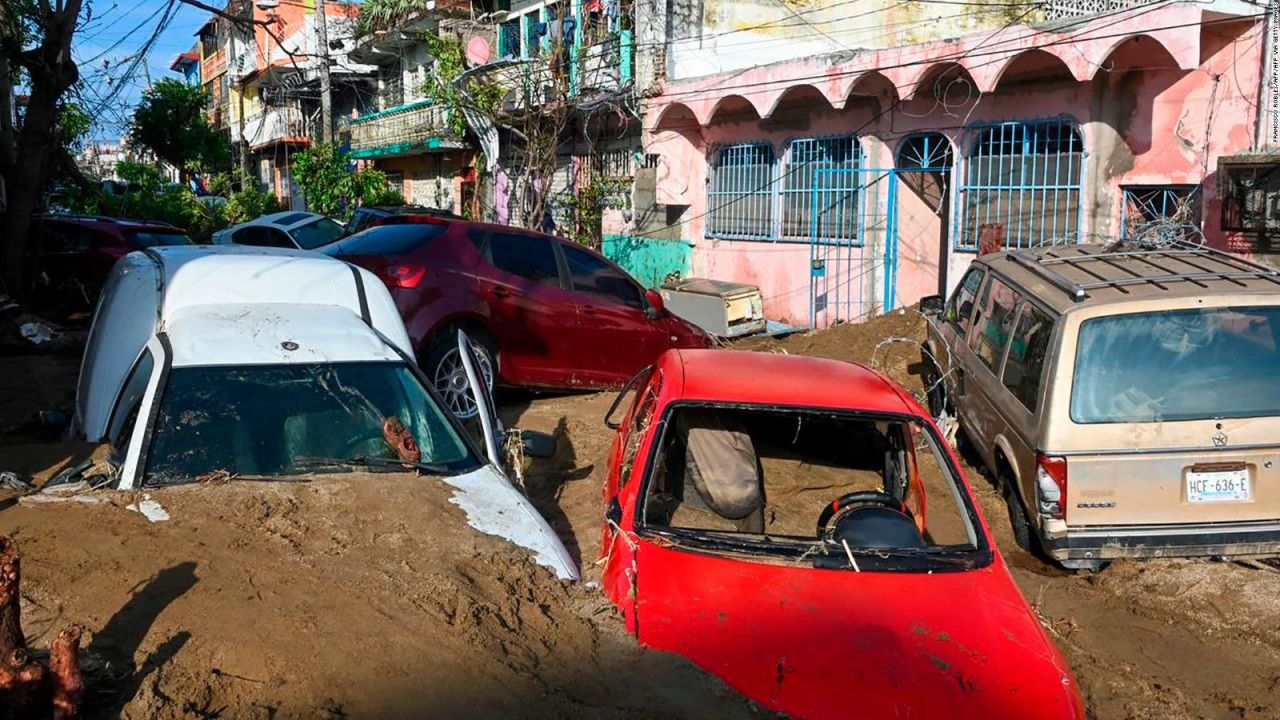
<point x="156" y="238"/>
<point x="389" y="239"/>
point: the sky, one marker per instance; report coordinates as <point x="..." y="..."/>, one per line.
<point x="117" y="32"/>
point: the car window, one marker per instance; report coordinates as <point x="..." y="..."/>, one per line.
<point x="358" y="221"/>
<point x="1194" y="364"/>
<point x="261" y="236"/>
<point x="763" y="476"/>
<point x="1023" y="368"/>
<point x="993" y="323"/>
<point x="282" y="419"/>
<point x="125" y="412"/>
<point x="592" y="275"/>
<point x="69" y="238"/>
<point x="960" y="309"/>
<point x="389" y="239"/>
<point x="638" y="427"/>
<point x="155" y="238"/>
<point x="316" y="234"/>
<point x="527" y="256"/>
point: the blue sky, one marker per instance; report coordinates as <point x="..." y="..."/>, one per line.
<point x="111" y="91"/>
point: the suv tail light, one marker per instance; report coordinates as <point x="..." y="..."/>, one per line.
<point x="1051" y="481"/>
<point x="404" y="276"/>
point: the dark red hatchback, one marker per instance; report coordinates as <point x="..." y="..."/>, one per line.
<point x="544" y="311"/>
<point x="74" y="253"/>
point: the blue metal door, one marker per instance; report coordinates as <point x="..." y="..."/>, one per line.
<point x="851" y="243"/>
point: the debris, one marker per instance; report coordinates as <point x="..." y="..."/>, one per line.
<point x="401" y="439"/>
<point x="37" y="332"/>
<point x="11" y="481"/>
<point x="151" y="509"/>
<point x="28" y="688"/>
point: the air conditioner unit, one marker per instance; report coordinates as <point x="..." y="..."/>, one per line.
<point x="723" y="309"/>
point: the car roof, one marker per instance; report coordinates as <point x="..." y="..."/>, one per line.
<point x="740" y="376"/>
<point x="286" y="219"/>
<point x="130" y="224"/>
<point x="272" y="334"/>
<point x="1066" y="278"/>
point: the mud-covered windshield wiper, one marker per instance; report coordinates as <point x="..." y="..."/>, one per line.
<point x="364" y="461"/>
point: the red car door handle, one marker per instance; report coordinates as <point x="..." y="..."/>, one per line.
<point x="588" y="310"/>
<point x="501" y="292"/>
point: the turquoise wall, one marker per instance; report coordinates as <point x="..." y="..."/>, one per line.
<point x="649" y="259"/>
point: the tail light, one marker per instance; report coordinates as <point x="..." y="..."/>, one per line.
<point x="1051" y="481"/>
<point x="404" y="276"/>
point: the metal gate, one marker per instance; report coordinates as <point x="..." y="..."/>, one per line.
<point x="845" y="266"/>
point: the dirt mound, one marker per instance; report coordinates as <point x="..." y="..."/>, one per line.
<point x="353" y="595"/>
<point x="889" y="343"/>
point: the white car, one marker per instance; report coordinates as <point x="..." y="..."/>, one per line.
<point x="289" y="229"/>
<point x="262" y="363"/>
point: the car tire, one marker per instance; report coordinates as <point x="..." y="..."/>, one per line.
<point x="1018" y="518"/>
<point x="443" y="367"/>
<point x="935" y="391"/>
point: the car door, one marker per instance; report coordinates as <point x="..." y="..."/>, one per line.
<point x="950" y="330"/>
<point x="983" y="359"/>
<point x="615" y="337"/>
<point x="1022" y="380"/>
<point x="621" y="489"/>
<point x="531" y="310"/>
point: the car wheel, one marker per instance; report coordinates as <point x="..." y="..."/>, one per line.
<point x="1018" y="518"/>
<point x="935" y="391"/>
<point x="444" y="369"/>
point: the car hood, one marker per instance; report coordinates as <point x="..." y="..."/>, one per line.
<point x="844" y="644"/>
<point x="494" y="507"/>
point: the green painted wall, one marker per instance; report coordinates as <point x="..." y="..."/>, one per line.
<point x="649" y="259"/>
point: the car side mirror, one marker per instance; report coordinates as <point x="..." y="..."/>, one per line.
<point x="537" y="444"/>
<point x="657" y="307"/>
<point x="931" y="305"/>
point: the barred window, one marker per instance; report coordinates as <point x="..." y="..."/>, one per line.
<point x="835" y="216"/>
<point x="740" y="193"/>
<point x="1022" y="184"/>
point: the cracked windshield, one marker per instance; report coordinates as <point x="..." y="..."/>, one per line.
<point x="297" y="418"/>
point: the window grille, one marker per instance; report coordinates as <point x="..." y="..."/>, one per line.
<point x="1250" y="192"/>
<point x="837" y="193"/>
<point x="740" y="193"/>
<point x="1162" y="208"/>
<point x="1022" y="183"/>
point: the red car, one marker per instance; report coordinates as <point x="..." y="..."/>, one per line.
<point x="800" y="528"/>
<point x="545" y="311"/>
<point x="74" y="253"/>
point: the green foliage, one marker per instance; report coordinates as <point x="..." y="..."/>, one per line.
<point x="379" y="15"/>
<point x="248" y="204"/>
<point x="331" y="185"/>
<point x="448" y="62"/>
<point x="73" y="125"/>
<point x="170" y="122"/>
<point x="587" y="208"/>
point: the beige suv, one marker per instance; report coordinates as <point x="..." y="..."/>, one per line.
<point x="1127" y="401"/>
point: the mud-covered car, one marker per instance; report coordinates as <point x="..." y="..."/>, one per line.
<point x="221" y="363"/>
<point x="800" y="528"/>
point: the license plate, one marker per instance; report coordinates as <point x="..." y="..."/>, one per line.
<point x="1218" y="486"/>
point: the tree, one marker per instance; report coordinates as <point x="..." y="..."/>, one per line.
<point x="35" y="47"/>
<point x="170" y="122"/>
<point x="331" y="186"/>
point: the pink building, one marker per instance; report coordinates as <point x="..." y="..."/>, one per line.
<point x="849" y="181"/>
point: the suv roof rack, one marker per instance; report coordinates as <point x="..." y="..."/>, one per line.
<point x="1198" y="258"/>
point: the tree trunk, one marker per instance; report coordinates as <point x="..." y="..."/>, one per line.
<point x="27" y="688"/>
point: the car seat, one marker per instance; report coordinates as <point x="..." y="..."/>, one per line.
<point x="720" y="462"/>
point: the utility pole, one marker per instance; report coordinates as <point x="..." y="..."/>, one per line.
<point x="326" y="102"/>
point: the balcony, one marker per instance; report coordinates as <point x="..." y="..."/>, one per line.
<point x="583" y="73"/>
<point x="411" y="129"/>
<point x="278" y="125"/>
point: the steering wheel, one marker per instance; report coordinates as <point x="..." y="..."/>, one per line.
<point x="861" y="497"/>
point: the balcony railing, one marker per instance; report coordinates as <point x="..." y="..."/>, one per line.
<point x="405" y="130"/>
<point x="559" y="74"/>
<point x="1070" y="9"/>
<point x="286" y="124"/>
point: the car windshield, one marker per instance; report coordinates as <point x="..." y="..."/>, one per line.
<point x="1178" y="365"/>
<point x="316" y="234"/>
<point x="841" y="488"/>
<point x="144" y="239"/>
<point x="270" y="420"/>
